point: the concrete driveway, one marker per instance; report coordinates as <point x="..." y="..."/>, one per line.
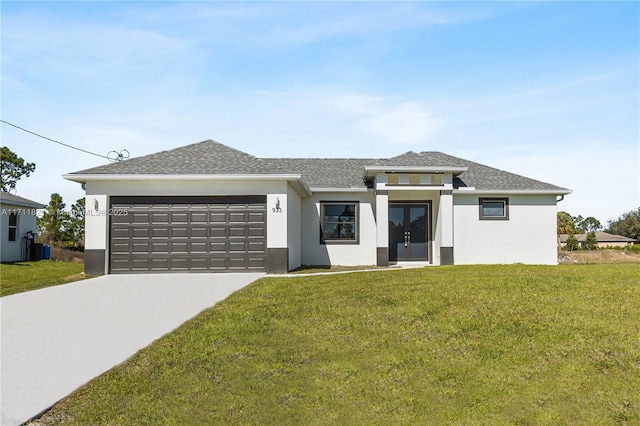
<point x="56" y="339"/>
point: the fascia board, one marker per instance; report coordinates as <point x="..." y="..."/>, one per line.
<point x="295" y="179"/>
<point x="313" y="189"/>
<point x="559" y="191"/>
<point x="371" y="170"/>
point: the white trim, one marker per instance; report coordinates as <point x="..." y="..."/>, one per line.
<point x="86" y="177"/>
<point x="297" y="178"/>
<point x="341" y="189"/>
<point x="370" y="170"/>
<point x="558" y="191"/>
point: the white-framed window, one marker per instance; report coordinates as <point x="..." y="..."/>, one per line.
<point x="13" y="226"/>
<point x="339" y="222"/>
<point x="494" y="208"/>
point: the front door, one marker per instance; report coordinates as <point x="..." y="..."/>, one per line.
<point x="408" y="232"/>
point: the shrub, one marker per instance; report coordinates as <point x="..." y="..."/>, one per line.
<point x="572" y="243"/>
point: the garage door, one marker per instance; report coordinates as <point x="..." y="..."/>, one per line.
<point x="187" y="234"/>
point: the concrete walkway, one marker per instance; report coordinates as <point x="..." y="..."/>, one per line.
<point x="56" y="339"/>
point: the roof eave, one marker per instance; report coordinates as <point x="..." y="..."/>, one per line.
<point x="295" y="179"/>
<point x="357" y="189"/>
<point x="559" y="191"/>
<point x="370" y="171"/>
<point x="33" y="205"/>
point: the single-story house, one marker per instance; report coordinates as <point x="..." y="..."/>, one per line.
<point x="18" y="225"/>
<point x="208" y="207"/>
<point x="604" y="239"/>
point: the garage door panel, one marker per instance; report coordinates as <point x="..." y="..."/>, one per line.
<point x="218" y="232"/>
<point x="218" y="217"/>
<point x="160" y="218"/>
<point x="161" y="232"/>
<point x="199" y="233"/>
<point x="237" y="246"/>
<point x="180" y="234"/>
<point x="160" y="247"/>
<point x="179" y="217"/>
<point x="218" y="247"/>
<point x="121" y="246"/>
<point x="120" y="233"/>
<point x="256" y="217"/>
<point x="139" y="217"/>
<point x="120" y="219"/>
<point x="256" y="246"/>
<point x="237" y="232"/>
<point x="137" y="247"/>
<point x="179" y="264"/>
<point x="237" y="217"/>
<point x="179" y="247"/>
<point x="253" y="231"/>
<point x="198" y="247"/>
<point x="139" y="232"/>
<point x="198" y="217"/>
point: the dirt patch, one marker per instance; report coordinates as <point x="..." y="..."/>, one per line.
<point x="598" y="256"/>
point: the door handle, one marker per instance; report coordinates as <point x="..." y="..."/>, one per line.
<point x="407" y="238"/>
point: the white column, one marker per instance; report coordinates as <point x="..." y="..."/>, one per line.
<point x="96" y="222"/>
<point x="276" y="221"/>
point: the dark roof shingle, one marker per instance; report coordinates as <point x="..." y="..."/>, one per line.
<point x="211" y="157"/>
<point x="8" y="198"/>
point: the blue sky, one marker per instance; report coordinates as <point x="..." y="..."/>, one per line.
<point x="549" y="90"/>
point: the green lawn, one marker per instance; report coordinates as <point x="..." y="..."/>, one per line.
<point x="24" y="276"/>
<point x="485" y="345"/>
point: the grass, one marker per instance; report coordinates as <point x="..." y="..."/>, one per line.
<point x="441" y="345"/>
<point x="17" y="277"/>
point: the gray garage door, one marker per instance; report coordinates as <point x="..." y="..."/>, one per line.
<point x="187" y="234"/>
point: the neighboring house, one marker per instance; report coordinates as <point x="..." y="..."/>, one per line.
<point x="17" y="224"/>
<point x="604" y="239"/>
<point x="208" y="207"/>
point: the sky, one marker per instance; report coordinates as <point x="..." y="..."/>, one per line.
<point x="548" y="90"/>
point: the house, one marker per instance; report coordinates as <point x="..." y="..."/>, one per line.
<point x="208" y="207"/>
<point x="18" y="225"/>
<point x="604" y="239"/>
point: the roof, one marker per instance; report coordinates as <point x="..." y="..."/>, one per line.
<point x="213" y="158"/>
<point x="602" y="237"/>
<point x="8" y="198"/>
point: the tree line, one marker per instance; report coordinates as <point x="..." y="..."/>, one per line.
<point x="627" y="225"/>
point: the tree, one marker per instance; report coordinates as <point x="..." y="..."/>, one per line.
<point x="590" y="224"/>
<point x="54" y="222"/>
<point x="627" y="225"/>
<point x="12" y="168"/>
<point x="591" y="242"/>
<point x="566" y="224"/>
<point x="74" y="229"/>
<point x="572" y="243"/>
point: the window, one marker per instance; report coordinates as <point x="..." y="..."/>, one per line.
<point x="494" y="209"/>
<point x="339" y="222"/>
<point x="13" y="226"/>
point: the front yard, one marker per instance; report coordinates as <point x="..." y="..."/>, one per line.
<point x="17" y="277"/>
<point x="440" y="345"/>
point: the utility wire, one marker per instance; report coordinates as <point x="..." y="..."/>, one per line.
<point x="119" y="156"/>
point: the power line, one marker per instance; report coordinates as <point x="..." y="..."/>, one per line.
<point x="112" y="156"/>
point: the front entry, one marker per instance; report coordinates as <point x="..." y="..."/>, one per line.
<point x="408" y="232"/>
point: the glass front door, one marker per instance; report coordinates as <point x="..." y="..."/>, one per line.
<point x="408" y="232"/>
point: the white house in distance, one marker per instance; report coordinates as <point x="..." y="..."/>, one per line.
<point x="207" y="207"/>
<point x="17" y="220"/>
